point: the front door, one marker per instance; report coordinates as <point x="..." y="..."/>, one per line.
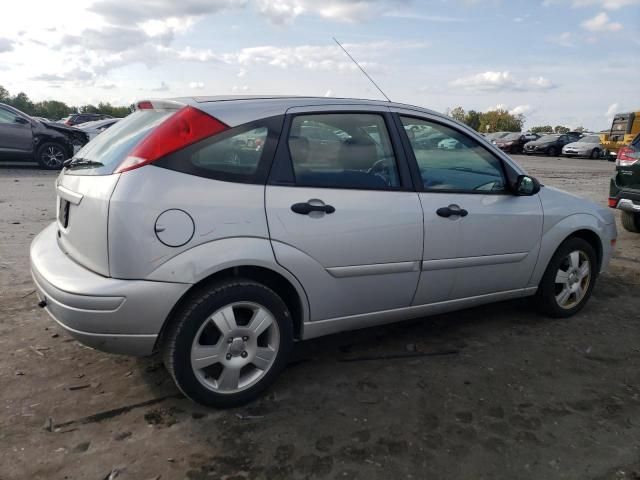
<point x="479" y="237"/>
<point x="15" y="134"/>
<point x="343" y="217"/>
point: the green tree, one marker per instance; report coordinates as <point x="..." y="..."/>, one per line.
<point x="457" y="114"/>
<point x="473" y="119"/>
<point x="501" y="121"/>
<point x="542" y="129"/>
<point x="21" y="102"/>
<point x="4" y="94"/>
<point x="561" y="129"/>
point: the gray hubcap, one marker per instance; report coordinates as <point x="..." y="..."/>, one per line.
<point x="572" y="279"/>
<point x="235" y="347"/>
<point x="52" y="156"/>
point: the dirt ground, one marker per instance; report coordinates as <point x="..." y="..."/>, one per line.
<point x="496" y="392"/>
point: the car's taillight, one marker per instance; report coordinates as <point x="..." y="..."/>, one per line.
<point x="613" y="202"/>
<point x="188" y="125"/>
<point x="627" y="156"/>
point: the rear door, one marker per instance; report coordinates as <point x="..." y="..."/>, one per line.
<point x="479" y="238"/>
<point x="344" y="218"/>
<point x="15" y="133"/>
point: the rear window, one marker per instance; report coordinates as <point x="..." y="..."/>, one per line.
<point x="103" y="154"/>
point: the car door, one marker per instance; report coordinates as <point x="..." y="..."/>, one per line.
<point x="479" y="238"/>
<point x="15" y="134"/>
<point x="347" y="221"/>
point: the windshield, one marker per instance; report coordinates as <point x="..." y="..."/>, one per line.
<point x="548" y="138"/>
<point x="590" y="139"/>
<point x="104" y="153"/>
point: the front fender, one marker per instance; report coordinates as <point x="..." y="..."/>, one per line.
<point x="558" y="233"/>
<point x="202" y="261"/>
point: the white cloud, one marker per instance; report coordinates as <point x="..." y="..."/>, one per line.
<point x="196" y="85"/>
<point x="328" y="93"/>
<point x="427" y="18"/>
<point x="5" y="45"/>
<point x="164" y="87"/>
<point x="601" y="23"/>
<point x="239" y="88"/>
<point x="565" y="39"/>
<point x="500" y="81"/>
<point x="605" y="4"/>
<point x="284" y="11"/>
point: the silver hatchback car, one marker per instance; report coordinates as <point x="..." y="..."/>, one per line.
<point x="221" y="230"/>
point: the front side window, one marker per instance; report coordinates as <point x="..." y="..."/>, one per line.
<point x="342" y="150"/>
<point x="449" y="160"/>
<point x="7" y="117"/>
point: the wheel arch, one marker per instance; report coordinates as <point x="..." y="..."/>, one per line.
<point x="292" y="295"/>
<point x="583" y="226"/>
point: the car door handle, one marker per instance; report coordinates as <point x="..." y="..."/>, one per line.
<point x="306" y="208"/>
<point x="452" y="210"/>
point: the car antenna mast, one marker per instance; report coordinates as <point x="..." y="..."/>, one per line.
<point x="361" y="69"/>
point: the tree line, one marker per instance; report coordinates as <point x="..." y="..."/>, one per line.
<point x="500" y="120"/>
<point x="55" y="110"/>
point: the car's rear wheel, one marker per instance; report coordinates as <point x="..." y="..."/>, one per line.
<point x="630" y="221"/>
<point x="552" y="151"/>
<point x="51" y="156"/>
<point x="228" y="343"/>
<point x="568" y="280"/>
<point x="595" y="153"/>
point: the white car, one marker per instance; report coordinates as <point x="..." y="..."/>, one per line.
<point x="588" y="146"/>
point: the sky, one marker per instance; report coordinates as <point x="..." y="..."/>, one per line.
<point x="569" y="62"/>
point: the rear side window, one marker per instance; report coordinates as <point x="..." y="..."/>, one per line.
<point x="241" y="154"/>
<point x="342" y="150"/>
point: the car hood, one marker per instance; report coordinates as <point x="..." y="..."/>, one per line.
<point x="61" y="127"/>
<point x="560" y="204"/>
<point x="581" y="145"/>
<point x="539" y="143"/>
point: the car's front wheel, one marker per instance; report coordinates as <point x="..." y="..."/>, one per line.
<point x="568" y="280"/>
<point x="630" y="221"/>
<point x="228" y="343"/>
<point x="595" y="153"/>
<point x="51" y="156"/>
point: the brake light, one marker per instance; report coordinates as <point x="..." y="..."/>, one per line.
<point x="185" y="127"/>
<point x="626" y="156"/>
<point x="145" y="105"/>
<point x="613" y="202"/>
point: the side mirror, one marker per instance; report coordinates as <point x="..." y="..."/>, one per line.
<point x="526" y="186"/>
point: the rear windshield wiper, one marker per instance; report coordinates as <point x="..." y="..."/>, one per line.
<point x="82" y="162"/>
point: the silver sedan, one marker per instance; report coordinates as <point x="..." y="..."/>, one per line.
<point x="588" y="146"/>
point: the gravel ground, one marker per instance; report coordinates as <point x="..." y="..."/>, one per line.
<point x="508" y="395"/>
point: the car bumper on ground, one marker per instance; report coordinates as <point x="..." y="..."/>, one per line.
<point x="117" y="316"/>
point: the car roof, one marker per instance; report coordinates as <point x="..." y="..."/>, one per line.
<point x="238" y="109"/>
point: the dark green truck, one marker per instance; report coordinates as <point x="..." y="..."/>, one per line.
<point x="624" y="190"/>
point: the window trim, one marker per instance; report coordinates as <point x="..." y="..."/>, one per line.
<point x="415" y="169"/>
<point x="176" y="161"/>
<point x="282" y="171"/>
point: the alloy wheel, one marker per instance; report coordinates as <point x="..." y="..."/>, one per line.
<point x="52" y="156"/>
<point x="572" y="279"/>
<point x="235" y="347"/>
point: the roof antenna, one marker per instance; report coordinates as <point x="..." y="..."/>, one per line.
<point x="362" y="69"/>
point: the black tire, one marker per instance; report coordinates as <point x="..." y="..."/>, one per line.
<point x="552" y="151"/>
<point x="630" y="221"/>
<point x="186" y="324"/>
<point x="51" y="155"/>
<point x="545" y="298"/>
<point x="595" y="153"/>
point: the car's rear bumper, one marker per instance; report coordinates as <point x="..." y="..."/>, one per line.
<point x="118" y="316"/>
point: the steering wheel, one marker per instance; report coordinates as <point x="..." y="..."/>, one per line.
<point x="382" y="169"/>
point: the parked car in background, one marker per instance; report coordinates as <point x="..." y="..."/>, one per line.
<point x="78" y="118"/>
<point x="514" y="142"/>
<point x="586" y="146"/>
<point x="184" y="240"/>
<point x="495" y="136"/>
<point x="97" y="127"/>
<point x="624" y="188"/>
<point x="23" y="138"/>
<point x="549" y="144"/>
